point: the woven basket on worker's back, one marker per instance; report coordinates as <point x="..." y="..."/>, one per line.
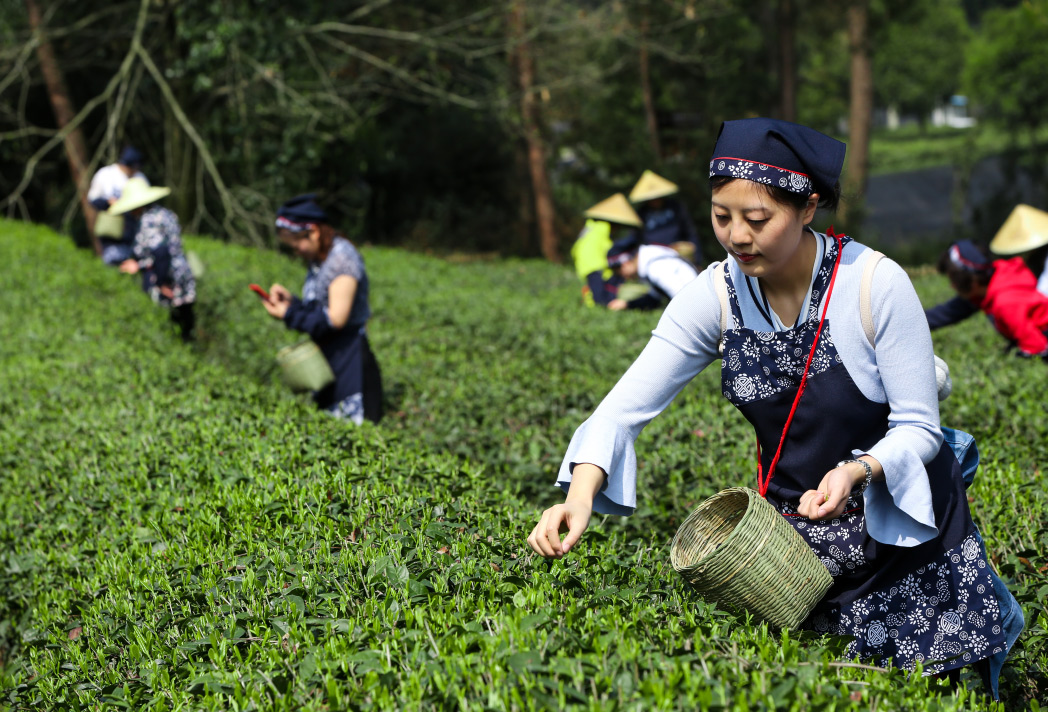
<point x="304" y="367"/>
<point x="740" y="553"/>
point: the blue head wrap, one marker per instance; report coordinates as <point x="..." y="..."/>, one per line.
<point x="131" y="156"/>
<point x="789" y="156"/>
<point x="301" y="211"/>
<point x="623" y="250"/>
<point x="966" y="255"/>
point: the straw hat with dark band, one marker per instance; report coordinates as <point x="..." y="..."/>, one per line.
<point x="1025" y="229"/>
<point x="136" y="194"/>
<point x="615" y="209"/>
<point x="650" y="186"/>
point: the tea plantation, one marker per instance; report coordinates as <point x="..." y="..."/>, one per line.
<point x="180" y="532"/>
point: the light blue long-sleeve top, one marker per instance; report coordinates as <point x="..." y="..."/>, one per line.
<point x="900" y="372"/>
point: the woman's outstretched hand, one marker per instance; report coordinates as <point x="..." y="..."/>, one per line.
<point x="572" y="516"/>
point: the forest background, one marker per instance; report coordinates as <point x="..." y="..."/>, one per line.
<point x="478" y="126"/>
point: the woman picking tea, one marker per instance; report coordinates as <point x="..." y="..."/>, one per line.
<point x="333" y="311"/>
<point x="850" y="449"/>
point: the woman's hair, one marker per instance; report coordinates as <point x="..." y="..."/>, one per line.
<point x="327" y="239"/>
<point x="961" y="279"/>
<point x="783" y="197"/>
<point x="1037" y="260"/>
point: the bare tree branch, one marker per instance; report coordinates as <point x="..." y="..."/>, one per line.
<point x="369" y="8"/>
<point x="364" y="30"/>
<point x="74" y="123"/>
<point x="27" y="131"/>
<point x="23" y="55"/>
<point x="232" y="207"/>
<point x="401" y="74"/>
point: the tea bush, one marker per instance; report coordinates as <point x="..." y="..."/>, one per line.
<point x="180" y="532"/>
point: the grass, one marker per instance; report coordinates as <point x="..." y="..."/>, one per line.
<point x="179" y="532"/>
<point x="911" y="148"/>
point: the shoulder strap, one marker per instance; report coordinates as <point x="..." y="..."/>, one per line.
<point x="865" y="288"/>
<point x="720" y="284"/>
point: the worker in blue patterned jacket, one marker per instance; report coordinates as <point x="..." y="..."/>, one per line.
<point x="666" y="220"/>
<point x="333" y="311"/>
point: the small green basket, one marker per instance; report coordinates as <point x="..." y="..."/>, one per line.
<point x="739" y="552"/>
<point x="196" y="265"/>
<point x="632" y="290"/>
<point x="107" y="225"/>
<point x="304" y="367"/>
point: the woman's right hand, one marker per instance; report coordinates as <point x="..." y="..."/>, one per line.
<point x="279" y="293"/>
<point x="573" y="516"/>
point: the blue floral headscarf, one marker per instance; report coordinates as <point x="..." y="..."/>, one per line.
<point x="787" y="155"/>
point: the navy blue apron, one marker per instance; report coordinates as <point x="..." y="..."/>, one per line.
<point x="932" y="603"/>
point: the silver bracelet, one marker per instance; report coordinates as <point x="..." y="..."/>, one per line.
<point x="869" y="472"/>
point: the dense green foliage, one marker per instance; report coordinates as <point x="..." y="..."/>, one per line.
<point x="1003" y="65"/>
<point x="932" y="36"/>
<point x="406" y="116"/>
<point x="180" y="532"/>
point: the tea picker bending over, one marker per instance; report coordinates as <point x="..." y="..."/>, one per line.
<point x="156" y="252"/>
<point x="1025" y="235"/>
<point x="858" y="465"/>
<point x="661" y="268"/>
<point x="333" y="311"/>
<point x="1006" y="290"/>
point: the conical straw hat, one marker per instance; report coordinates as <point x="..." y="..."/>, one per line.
<point x="615" y="209"/>
<point x="137" y="193"/>
<point x="1025" y="229"/>
<point x="650" y="186"/>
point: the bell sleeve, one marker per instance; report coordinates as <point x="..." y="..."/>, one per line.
<point x="683" y="343"/>
<point x="899" y="508"/>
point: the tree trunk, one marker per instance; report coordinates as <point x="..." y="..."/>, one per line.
<point x="535" y="146"/>
<point x="861" y="107"/>
<point x="645" y="88"/>
<point x="179" y="157"/>
<point x="62" y="105"/>
<point x="787" y="60"/>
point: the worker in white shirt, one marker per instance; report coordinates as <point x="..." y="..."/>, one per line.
<point x="661" y="268"/>
<point x="115" y="233"/>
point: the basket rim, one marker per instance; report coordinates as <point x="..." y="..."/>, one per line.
<point x="695" y="513"/>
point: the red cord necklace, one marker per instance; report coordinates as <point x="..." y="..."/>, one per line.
<point x="762" y="481"/>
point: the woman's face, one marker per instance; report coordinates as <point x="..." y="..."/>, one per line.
<point x="306" y="244"/>
<point x="763" y="236"/>
<point x="628" y="270"/>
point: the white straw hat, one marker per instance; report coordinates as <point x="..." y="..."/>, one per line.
<point x="137" y="193"/>
<point x="615" y="209"/>
<point x="650" y="186"/>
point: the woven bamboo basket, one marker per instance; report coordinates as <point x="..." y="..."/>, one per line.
<point x="739" y="552"/>
<point x="304" y="367"/>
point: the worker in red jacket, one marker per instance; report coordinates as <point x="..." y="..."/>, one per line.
<point x="1006" y="290"/>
